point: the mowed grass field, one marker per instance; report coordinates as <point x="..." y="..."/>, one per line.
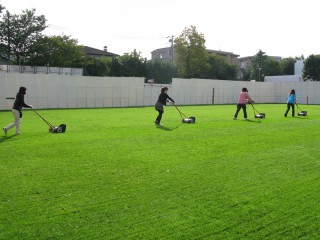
<point x="115" y="175"/>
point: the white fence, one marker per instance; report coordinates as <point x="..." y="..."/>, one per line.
<point x="64" y="91"/>
<point x="41" y="70"/>
<point x="202" y="91"/>
<point x="60" y="91"/>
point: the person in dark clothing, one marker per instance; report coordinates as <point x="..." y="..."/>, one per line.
<point x="162" y="101"/>
<point x="17" y="110"/>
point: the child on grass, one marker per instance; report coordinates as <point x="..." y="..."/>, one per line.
<point x="242" y="101"/>
<point x="17" y="110"/>
<point x="162" y="101"/>
<point x="291" y="100"/>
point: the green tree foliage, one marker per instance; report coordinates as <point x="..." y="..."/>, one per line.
<point x="1" y="8"/>
<point x="128" y="65"/>
<point x="246" y="73"/>
<point x="287" y="66"/>
<point x="258" y="65"/>
<point x="190" y="55"/>
<point x="161" y="72"/>
<point x="19" y="32"/>
<point x="57" y="51"/>
<point x="271" y="68"/>
<point x="263" y="65"/>
<point x="219" y="68"/>
<point x="97" y="67"/>
<point x="115" y="67"/>
<point x="311" y="70"/>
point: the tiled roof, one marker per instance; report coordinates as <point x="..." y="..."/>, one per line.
<point x="97" y="52"/>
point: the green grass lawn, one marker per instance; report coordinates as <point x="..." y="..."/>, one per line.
<point x="115" y="175"/>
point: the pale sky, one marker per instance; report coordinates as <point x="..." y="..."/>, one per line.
<point x="278" y="27"/>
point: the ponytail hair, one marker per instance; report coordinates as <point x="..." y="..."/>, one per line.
<point x="164" y="89"/>
<point x="245" y="90"/>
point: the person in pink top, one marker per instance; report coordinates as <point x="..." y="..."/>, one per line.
<point x="242" y="101"/>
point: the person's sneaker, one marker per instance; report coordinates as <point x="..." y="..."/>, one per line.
<point x="234" y="118"/>
<point x="285" y="115"/>
<point x="247" y="119"/>
<point x="156" y="123"/>
<point x="18" y="133"/>
<point x="5" y="131"/>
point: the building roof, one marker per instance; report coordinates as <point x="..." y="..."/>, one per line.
<point x="251" y="57"/>
<point x="222" y="52"/>
<point x="208" y="50"/>
<point x="159" y="49"/>
<point x="97" y="52"/>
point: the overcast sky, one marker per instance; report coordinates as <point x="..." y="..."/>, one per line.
<point x="278" y="27"/>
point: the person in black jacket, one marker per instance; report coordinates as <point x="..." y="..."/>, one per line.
<point x="162" y="101"/>
<point x="17" y="110"/>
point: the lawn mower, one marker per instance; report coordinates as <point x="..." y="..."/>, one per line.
<point x="61" y="129"/>
<point x="257" y="114"/>
<point x="184" y="118"/>
<point x="301" y="113"/>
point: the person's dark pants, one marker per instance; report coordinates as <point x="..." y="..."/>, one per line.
<point x="244" y="108"/>
<point x="158" y="120"/>
<point x="289" y="105"/>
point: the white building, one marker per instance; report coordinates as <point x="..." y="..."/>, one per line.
<point x="298" y="67"/>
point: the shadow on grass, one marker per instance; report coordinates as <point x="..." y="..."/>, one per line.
<point x="302" y="117"/>
<point x="254" y="121"/>
<point x="7" y="138"/>
<point x="164" y="128"/>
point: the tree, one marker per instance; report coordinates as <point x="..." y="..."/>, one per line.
<point x="219" y="68"/>
<point x="190" y="55"/>
<point x="57" y="51"/>
<point x="128" y="65"/>
<point x="258" y="65"/>
<point x="19" y="32"/>
<point x="287" y="66"/>
<point x="1" y="8"/>
<point x="271" y="68"/>
<point x="161" y="72"/>
<point x="99" y="67"/>
<point x="115" y="67"/>
<point x="245" y="73"/>
<point x="311" y="69"/>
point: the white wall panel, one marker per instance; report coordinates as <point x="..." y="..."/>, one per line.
<point x="99" y="102"/>
<point x="124" y="92"/>
<point x="72" y="103"/>
<point x="62" y="91"/>
<point x="82" y="102"/>
<point x="124" y="101"/>
<point x="108" y="82"/>
<point x="107" y="102"/>
<point x="91" y="92"/>
<point x="91" y="103"/>
<point x="99" y="92"/>
<point x="116" y="82"/>
<point x="116" y="102"/>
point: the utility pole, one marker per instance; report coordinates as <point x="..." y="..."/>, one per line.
<point x="172" y="47"/>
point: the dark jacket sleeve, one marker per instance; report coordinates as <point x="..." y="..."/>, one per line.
<point x="23" y="103"/>
<point x="170" y="98"/>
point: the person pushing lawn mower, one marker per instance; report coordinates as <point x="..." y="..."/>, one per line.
<point x="242" y="101"/>
<point x="17" y="111"/>
<point x="162" y="101"/>
<point x="291" y="100"/>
